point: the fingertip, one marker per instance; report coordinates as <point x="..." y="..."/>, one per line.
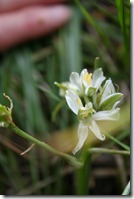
<point x="60" y="12"/>
<point x="31" y="23"/>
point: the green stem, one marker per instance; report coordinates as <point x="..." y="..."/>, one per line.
<point x="28" y="137"/>
<point x="109" y="151"/>
<point x="82" y="174"/>
<point x="118" y="142"/>
<point x="126" y="191"/>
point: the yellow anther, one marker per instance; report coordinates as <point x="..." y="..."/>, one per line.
<point x="87" y="77"/>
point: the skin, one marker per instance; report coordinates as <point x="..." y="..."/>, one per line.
<point x="28" y="19"/>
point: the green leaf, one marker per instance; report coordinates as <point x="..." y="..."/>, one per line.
<point x="120" y="7"/>
<point x="123" y="15"/>
<point x="115" y="140"/>
<point x="93" y="22"/>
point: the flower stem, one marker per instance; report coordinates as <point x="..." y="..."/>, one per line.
<point x="28" y="137"/>
<point x="118" y="142"/>
<point x="82" y="174"/>
<point x="126" y="191"/>
<point x="109" y="151"/>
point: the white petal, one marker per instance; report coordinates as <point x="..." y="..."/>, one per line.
<point x="108" y="90"/>
<point x="111" y="101"/>
<point x="95" y="129"/>
<point x="73" y="101"/>
<point x="75" y="80"/>
<point x="86" y="78"/>
<point x="107" y="115"/>
<point x="115" y="105"/>
<point x="83" y="72"/>
<point x="82" y="136"/>
<point x="98" y="78"/>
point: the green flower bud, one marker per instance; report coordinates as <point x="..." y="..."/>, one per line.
<point x="5" y="113"/>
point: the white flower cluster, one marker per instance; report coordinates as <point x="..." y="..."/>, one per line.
<point x="91" y="99"/>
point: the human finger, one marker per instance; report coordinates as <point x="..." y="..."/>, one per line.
<point x="30" y="23"/>
<point x="8" y="5"/>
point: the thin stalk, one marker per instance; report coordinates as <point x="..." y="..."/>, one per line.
<point x="28" y="137"/>
<point x="126" y="191"/>
<point x="109" y="151"/>
<point x="82" y="174"/>
<point x="118" y="142"/>
<point x="119" y="137"/>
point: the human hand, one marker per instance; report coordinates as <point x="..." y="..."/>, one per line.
<point x="22" y="20"/>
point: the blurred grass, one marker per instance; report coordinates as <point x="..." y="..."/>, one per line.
<point x="27" y="73"/>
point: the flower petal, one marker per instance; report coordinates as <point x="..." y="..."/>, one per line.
<point x="107" y="115"/>
<point x="83" y="72"/>
<point x="98" y="78"/>
<point x="108" y="89"/>
<point x="82" y="136"/>
<point x="110" y="101"/>
<point x="86" y="78"/>
<point x="95" y="129"/>
<point x="73" y="101"/>
<point x="75" y="80"/>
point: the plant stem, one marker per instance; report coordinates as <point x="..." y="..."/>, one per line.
<point x="83" y="174"/>
<point x="28" y="137"/>
<point x="126" y="190"/>
<point x="118" y="142"/>
<point x="110" y="151"/>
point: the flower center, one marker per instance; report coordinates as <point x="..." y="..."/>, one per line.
<point x="87" y="78"/>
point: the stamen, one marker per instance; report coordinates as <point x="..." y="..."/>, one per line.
<point x="87" y="77"/>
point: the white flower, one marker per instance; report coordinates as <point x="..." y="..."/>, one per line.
<point x="99" y="102"/>
<point x="88" y="117"/>
<point x="85" y="80"/>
